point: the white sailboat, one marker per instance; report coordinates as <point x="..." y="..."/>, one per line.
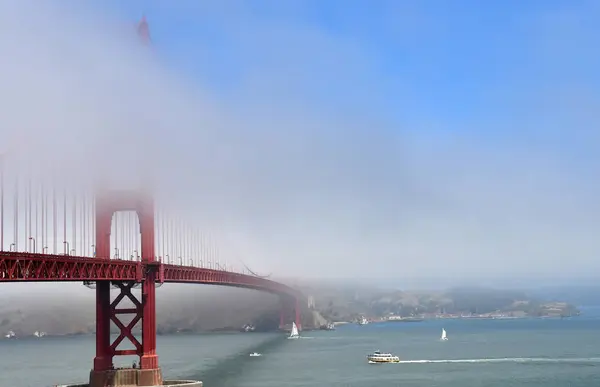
<point x="294" y="333"/>
<point x="444" y="336"/>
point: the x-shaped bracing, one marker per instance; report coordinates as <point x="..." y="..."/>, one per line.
<point x="125" y="331"/>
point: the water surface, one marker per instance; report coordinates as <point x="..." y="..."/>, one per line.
<point x="492" y="353"/>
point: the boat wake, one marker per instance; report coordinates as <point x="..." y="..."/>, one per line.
<point x="508" y="360"/>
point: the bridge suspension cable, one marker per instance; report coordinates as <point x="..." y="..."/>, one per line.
<point x="56" y="214"/>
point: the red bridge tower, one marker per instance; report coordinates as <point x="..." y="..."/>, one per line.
<point x="148" y="372"/>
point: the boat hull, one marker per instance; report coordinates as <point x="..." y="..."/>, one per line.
<point x="383" y="361"/>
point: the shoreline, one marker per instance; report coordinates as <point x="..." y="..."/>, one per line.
<point x="336" y="323"/>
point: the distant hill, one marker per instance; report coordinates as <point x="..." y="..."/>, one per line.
<point x="179" y="308"/>
<point x="588" y="295"/>
<point x="69" y="308"/>
<point x="345" y="302"/>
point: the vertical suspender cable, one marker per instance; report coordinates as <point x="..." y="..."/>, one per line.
<point x="74" y="224"/>
<point x="84" y="225"/>
<point x="170" y="242"/>
<point x="65" y="243"/>
<point x="187" y="245"/>
<point x="37" y="219"/>
<point x="188" y="236"/>
<point x="116" y="222"/>
<point x="132" y="236"/>
<point x="210" y="250"/>
<point x="166" y="241"/>
<point x="54" y="221"/>
<point x="210" y="256"/>
<point x="16" y="213"/>
<point x="202" y="256"/>
<point x="178" y="237"/>
<point x="195" y="248"/>
<point x="184" y="231"/>
<point x="180" y="243"/>
<point x="162" y="234"/>
<point x="175" y="242"/>
<point x="45" y="198"/>
<point x="215" y="250"/>
<point x="130" y="244"/>
<point x="130" y="230"/>
<point x="126" y="253"/>
<point x="29" y="229"/>
<point x="25" y="216"/>
<point x="157" y="231"/>
<point x="85" y="250"/>
<point x="2" y="203"/>
<point x="198" y="248"/>
<point x="82" y="248"/>
<point x="43" y="214"/>
<point x="93" y="224"/>
<point x="126" y="231"/>
<point x="137" y="235"/>
<point x="191" y="246"/>
<point x="122" y="252"/>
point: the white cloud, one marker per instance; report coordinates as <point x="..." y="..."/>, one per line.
<point x="304" y="185"/>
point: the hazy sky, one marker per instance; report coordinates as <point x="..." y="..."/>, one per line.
<point x="378" y="139"/>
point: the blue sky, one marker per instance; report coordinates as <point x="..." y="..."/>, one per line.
<point x="497" y="96"/>
<point x="459" y="135"/>
<point x="457" y="62"/>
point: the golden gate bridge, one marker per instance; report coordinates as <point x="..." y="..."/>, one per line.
<point x="113" y="239"/>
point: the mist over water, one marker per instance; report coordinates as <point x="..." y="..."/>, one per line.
<point x="303" y="179"/>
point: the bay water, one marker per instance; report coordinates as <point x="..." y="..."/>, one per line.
<point x="491" y="353"/>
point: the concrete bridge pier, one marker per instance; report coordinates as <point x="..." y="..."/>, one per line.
<point x="170" y="383"/>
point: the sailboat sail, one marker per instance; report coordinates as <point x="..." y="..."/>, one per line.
<point x="294" y="332"/>
<point x="444" y="337"/>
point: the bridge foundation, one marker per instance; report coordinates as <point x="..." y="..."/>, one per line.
<point x="126" y="377"/>
<point x="170" y="383"/>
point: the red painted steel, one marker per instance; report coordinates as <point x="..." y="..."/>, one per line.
<point x="107" y="204"/>
<point x="126" y="330"/>
<point x="297" y="314"/>
<point x="19" y="267"/>
<point x="186" y="274"/>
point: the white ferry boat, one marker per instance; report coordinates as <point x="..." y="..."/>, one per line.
<point x="363" y="321"/>
<point x="378" y="357"/>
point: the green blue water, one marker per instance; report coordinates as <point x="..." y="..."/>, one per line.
<point x="491" y="353"/>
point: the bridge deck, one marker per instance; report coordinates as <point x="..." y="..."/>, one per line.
<point x="28" y="267"/>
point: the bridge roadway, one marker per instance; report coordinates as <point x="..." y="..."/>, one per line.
<point x="29" y="267"/>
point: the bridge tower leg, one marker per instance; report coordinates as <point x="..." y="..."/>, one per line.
<point x="282" y="316"/>
<point x="104" y="373"/>
<point x="290" y="305"/>
<point x="297" y="318"/>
